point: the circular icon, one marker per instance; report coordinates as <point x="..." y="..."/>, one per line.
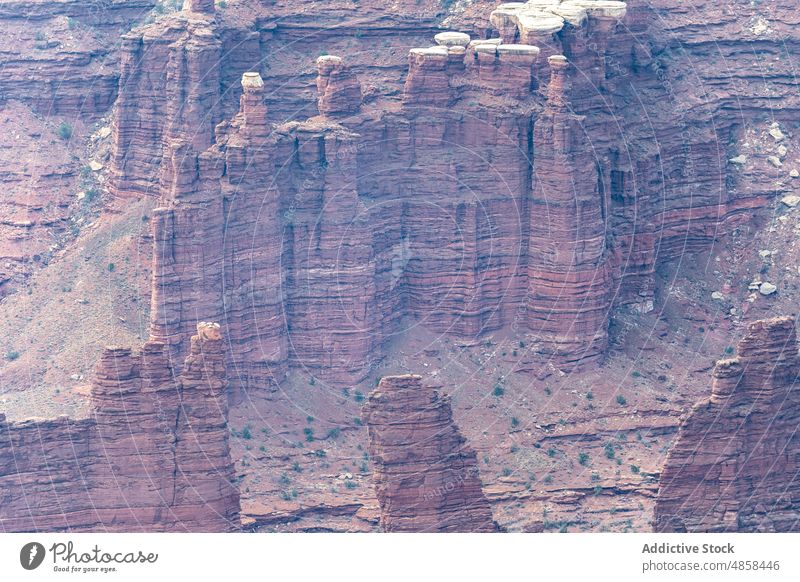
<point x="31" y="555"/>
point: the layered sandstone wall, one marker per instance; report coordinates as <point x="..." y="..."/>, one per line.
<point x="153" y="455"/>
<point x="734" y="466"/>
<point x="426" y="476"/>
<point x="496" y="190"/>
<point x="59" y="58"/>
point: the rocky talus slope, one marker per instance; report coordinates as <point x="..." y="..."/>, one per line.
<point x="152" y="456"/>
<point x="734" y="466"/>
<point x="426" y="476"/>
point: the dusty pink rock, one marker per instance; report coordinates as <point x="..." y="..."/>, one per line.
<point x="426" y="476"/>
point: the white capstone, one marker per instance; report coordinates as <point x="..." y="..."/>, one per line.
<point x="452" y="39"/>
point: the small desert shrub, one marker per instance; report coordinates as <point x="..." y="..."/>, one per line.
<point x="64" y="131"/>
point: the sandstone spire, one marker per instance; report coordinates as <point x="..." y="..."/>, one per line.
<point x="338" y="89"/>
<point x="735" y="463"/>
<point x="426" y="476"/>
<point x="153" y="455"/>
<point x="568" y="275"/>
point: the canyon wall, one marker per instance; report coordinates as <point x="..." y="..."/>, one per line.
<point x="428" y="208"/>
<point x="426" y="476"/>
<point x="509" y="184"/>
<point x="734" y="466"/>
<point x="60" y="58"/>
<point x="152" y="456"/>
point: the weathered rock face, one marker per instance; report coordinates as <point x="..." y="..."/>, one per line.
<point x="174" y="74"/>
<point x="735" y="464"/>
<point x="59" y="58"/>
<point x="499" y="189"/>
<point x="154" y="455"/>
<point x="338" y="89"/>
<point x="568" y="276"/>
<point x="426" y="476"/>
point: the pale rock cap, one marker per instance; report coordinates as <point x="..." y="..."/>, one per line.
<point x="538" y="21"/>
<point x="207" y="330"/>
<point x="486" y="48"/>
<point x="452" y="39"/>
<point x="574" y="14"/>
<point x="332" y="59"/>
<point x="476" y="42"/>
<point x="518" y="49"/>
<point x="433" y="51"/>
<point x="252" y="80"/>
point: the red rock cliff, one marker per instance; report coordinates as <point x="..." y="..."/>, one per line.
<point x="153" y="455"/>
<point x="426" y="476"/>
<point x="734" y="466"/>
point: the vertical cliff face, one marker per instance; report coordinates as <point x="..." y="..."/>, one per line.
<point x="734" y="466"/>
<point x="153" y="455"/>
<point x="503" y="187"/>
<point x="178" y="78"/>
<point x="569" y="285"/>
<point x="426" y="476"/>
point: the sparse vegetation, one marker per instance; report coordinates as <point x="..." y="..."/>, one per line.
<point x="358" y="396"/>
<point x="609" y="450"/>
<point x="334" y="433"/>
<point x="583" y="459"/>
<point x="498" y="390"/>
<point x="635" y="469"/>
<point x="350" y="484"/>
<point x="12" y="355"/>
<point x="621" y="400"/>
<point x="247" y="433"/>
<point x="64" y="131"/>
<point x="514" y="421"/>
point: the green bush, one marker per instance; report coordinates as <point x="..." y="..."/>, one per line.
<point x="64" y="131"/>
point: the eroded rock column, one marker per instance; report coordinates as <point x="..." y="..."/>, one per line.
<point x="736" y="461"/>
<point x="426" y="476"/>
<point x="568" y="277"/>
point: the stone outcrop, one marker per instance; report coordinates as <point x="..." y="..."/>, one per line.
<point x="734" y="466"/>
<point x="179" y="78"/>
<point x="426" y="476"/>
<point x="338" y="89"/>
<point x="569" y="280"/>
<point x="152" y="456"/>
<point x="502" y="187"/>
<point x="59" y="58"/>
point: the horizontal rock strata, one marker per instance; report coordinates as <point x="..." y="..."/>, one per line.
<point x="153" y="455"/>
<point x="734" y="466"/>
<point x="426" y="476"/>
